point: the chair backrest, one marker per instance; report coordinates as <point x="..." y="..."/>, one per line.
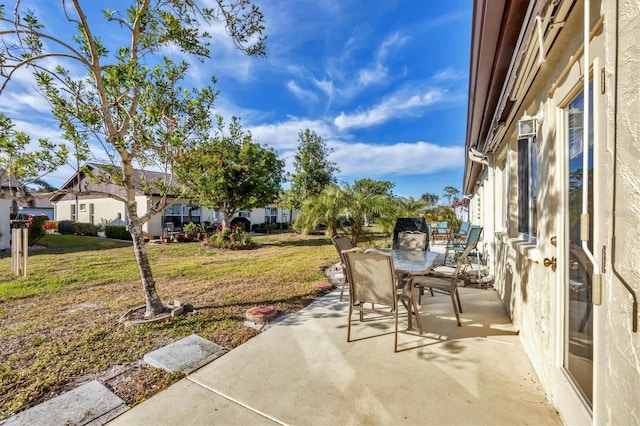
<point x="473" y="236"/>
<point x="371" y="277"/>
<point x="412" y="240"/>
<point x="341" y="243"/>
<point x="472" y="241"/>
<point x="442" y="227"/>
<point x="408" y="224"/>
<point x="464" y="228"/>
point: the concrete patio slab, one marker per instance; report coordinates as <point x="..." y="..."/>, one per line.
<point x="303" y="371"/>
<point x="187" y="403"/>
<point x="90" y="404"/>
<point x="186" y="355"/>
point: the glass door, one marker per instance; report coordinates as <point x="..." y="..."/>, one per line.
<point x="578" y="269"/>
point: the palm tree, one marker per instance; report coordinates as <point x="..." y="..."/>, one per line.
<point x="410" y="207"/>
<point x="450" y="191"/>
<point x="327" y="208"/>
<point x="361" y="205"/>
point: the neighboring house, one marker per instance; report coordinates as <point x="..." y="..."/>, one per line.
<point x="565" y="266"/>
<point x="98" y="209"/>
<point x="37" y="207"/>
<point x="102" y="209"/>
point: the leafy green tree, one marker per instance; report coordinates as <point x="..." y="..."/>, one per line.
<point x="449" y="192"/>
<point x="313" y="169"/>
<point x="21" y="166"/>
<point x="130" y="100"/>
<point x="370" y="186"/>
<point x="230" y="172"/>
<point x="431" y="199"/>
<point x="41" y="186"/>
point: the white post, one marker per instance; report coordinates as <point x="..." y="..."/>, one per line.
<point x="19" y="247"/>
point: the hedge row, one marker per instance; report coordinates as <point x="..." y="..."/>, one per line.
<point x="117" y="232"/>
<point x="265" y="228"/>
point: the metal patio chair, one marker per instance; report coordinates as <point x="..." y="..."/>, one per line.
<point x="341" y="244"/>
<point x="372" y="279"/>
<point x="446" y="283"/>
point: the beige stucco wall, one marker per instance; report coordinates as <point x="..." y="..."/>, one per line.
<point x="622" y="345"/>
<point x="525" y="285"/>
<point x="106" y="210"/>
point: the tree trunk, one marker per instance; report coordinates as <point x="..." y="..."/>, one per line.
<point x="334" y="231"/>
<point x="152" y="299"/>
<point x="355" y="233"/>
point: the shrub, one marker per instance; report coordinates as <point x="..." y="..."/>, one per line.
<point x="51" y="225"/>
<point x="36" y="228"/>
<point x="88" y="229"/>
<point x="66" y="227"/>
<point x="117" y="232"/>
<point x="191" y="228"/>
<point x="233" y="238"/>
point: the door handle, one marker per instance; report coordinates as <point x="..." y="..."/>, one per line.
<point x="550" y="263"/>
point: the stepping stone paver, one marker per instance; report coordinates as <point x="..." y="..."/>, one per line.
<point x="91" y="403"/>
<point x="185" y="355"/>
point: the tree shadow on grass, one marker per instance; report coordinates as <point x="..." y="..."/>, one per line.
<point x="296" y="243"/>
<point x="37" y="249"/>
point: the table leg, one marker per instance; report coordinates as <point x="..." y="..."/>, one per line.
<point x="414" y="306"/>
<point x="409" y="303"/>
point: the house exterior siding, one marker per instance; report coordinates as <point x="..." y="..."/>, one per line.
<point x="5" y="226"/>
<point x="535" y="295"/>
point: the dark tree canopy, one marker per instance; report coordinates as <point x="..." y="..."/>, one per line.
<point x="370" y="186"/>
<point x="431" y="199"/>
<point x="313" y="169"/>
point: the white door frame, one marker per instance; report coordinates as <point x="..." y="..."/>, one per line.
<point x="573" y="407"/>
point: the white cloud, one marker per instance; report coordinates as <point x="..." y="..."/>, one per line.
<point x="448" y="74"/>
<point x="303" y="95"/>
<point x="400" y="104"/>
<point x="396" y="159"/>
<point x="283" y="136"/>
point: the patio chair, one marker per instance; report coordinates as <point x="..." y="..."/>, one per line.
<point x="462" y="232"/>
<point x="372" y="279"/>
<point x="341" y="244"/>
<point x="459" y="246"/>
<point x="412" y="240"/>
<point x="410" y="224"/>
<point x="441" y="228"/>
<point x="448" y="283"/>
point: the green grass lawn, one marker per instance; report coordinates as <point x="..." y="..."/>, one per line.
<point x="59" y="326"/>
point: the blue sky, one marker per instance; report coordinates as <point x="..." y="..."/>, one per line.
<point x="383" y="82"/>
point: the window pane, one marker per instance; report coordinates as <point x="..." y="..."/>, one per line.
<point x="523" y="186"/>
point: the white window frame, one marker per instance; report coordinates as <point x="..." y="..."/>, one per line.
<point x="270" y="215"/>
<point x="73" y="212"/>
<point x="83" y="207"/>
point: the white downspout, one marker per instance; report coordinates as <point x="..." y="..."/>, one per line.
<point x="584" y="218"/>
